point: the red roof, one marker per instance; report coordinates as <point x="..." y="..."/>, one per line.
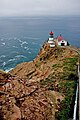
<point x="51" y="33"/>
<point x="60" y="38"/>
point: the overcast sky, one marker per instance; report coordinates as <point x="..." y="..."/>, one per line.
<point x="39" y="7"/>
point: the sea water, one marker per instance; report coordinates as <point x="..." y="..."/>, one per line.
<point x="22" y="37"/>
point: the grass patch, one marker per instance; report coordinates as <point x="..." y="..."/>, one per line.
<point x="67" y="86"/>
<point x="48" y="82"/>
<point x="56" y="65"/>
<point x="70" y="60"/>
<point x="69" y="76"/>
<point x="65" y="107"/>
<point x="69" y="69"/>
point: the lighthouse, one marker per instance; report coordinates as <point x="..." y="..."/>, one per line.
<point x="51" y="39"/>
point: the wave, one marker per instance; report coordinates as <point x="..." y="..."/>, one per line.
<point x="29" y="52"/>
<point x="34" y="43"/>
<point x="10" y="60"/>
<point x="3" y="43"/>
<point x="7" y="70"/>
<point x="24" y="45"/>
<point x="3" y="64"/>
<point x="2" y="56"/>
<point x="20" y="56"/>
<point x="20" y="40"/>
<point x="14" y="46"/>
<point x="24" y="42"/>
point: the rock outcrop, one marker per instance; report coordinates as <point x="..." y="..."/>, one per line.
<point x="32" y="90"/>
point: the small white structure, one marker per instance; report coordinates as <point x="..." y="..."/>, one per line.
<point x="61" y="41"/>
<point x="51" y="39"/>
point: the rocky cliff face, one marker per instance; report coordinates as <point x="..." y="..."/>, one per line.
<point x="34" y="90"/>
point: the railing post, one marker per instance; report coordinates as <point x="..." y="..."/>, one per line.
<point x="75" y="106"/>
<point x="79" y="86"/>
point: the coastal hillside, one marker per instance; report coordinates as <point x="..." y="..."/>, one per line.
<point x="42" y="89"/>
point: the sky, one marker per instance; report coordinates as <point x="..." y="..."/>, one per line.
<point x="39" y="7"/>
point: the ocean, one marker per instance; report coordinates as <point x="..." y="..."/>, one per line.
<point x="22" y="37"/>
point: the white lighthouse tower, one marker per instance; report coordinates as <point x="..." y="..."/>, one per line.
<point x="51" y="39"/>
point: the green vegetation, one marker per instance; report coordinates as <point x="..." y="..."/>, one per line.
<point x="48" y="82"/>
<point x="56" y="65"/>
<point x="67" y="86"/>
<point x="71" y="60"/>
<point x="69" y="69"/>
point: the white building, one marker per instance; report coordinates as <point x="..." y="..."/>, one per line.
<point x="61" y="41"/>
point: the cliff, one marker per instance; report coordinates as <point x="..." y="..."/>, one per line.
<point x="38" y="90"/>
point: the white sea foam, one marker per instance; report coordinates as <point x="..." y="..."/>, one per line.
<point x="29" y="52"/>
<point x="34" y="43"/>
<point x="20" y="40"/>
<point x="3" y="64"/>
<point x="11" y="60"/>
<point x="28" y="48"/>
<point x="24" y="45"/>
<point x="3" y="43"/>
<point x="24" y="42"/>
<point x="7" y="70"/>
<point x="20" y="56"/>
<point x="2" y="56"/>
<point x="14" y="46"/>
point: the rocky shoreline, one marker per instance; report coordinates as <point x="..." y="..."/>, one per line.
<point x="36" y="90"/>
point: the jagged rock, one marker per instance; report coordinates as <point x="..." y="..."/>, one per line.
<point x="4" y="75"/>
<point x="31" y="90"/>
<point x="16" y="113"/>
